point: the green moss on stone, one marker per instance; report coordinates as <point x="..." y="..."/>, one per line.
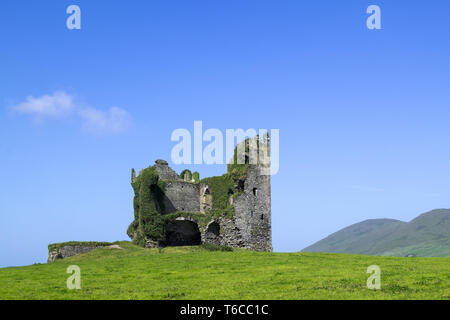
<point x="149" y="193"/>
<point x="186" y="175"/>
<point x="196" y="177"/>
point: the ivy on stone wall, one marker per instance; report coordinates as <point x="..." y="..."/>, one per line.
<point x="196" y="177"/>
<point x="219" y="187"/>
<point x="148" y="222"/>
<point x="229" y="184"/>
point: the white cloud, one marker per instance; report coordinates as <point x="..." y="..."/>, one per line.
<point x="115" y="120"/>
<point x="55" y="105"/>
<point x="60" y="104"/>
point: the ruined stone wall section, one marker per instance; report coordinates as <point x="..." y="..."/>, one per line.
<point x="181" y="196"/>
<point x="165" y="172"/>
<point x="68" y="251"/>
<point x="253" y="211"/>
<point x="229" y="234"/>
<point x="250" y="227"/>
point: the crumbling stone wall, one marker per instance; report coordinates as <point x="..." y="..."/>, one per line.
<point x="250" y="225"/>
<point x="57" y="252"/>
<point x="181" y="196"/>
<point x="253" y="211"/>
<point x="164" y="171"/>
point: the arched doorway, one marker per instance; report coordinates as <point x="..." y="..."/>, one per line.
<point x="182" y="233"/>
<point x="212" y="234"/>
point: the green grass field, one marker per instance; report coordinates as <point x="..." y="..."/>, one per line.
<point x="198" y="273"/>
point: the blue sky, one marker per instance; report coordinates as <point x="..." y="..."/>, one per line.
<point x="363" y="114"/>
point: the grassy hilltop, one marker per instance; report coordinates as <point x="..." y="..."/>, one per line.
<point x="205" y="273"/>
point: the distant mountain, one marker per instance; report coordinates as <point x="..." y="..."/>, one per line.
<point x="428" y="235"/>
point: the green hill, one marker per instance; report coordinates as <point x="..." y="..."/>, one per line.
<point x="426" y="236"/>
<point x="203" y="272"/>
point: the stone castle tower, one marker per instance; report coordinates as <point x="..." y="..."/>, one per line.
<point x="232" y="210"/>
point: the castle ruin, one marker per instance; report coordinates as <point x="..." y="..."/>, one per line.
<point x="233" y="210"/>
